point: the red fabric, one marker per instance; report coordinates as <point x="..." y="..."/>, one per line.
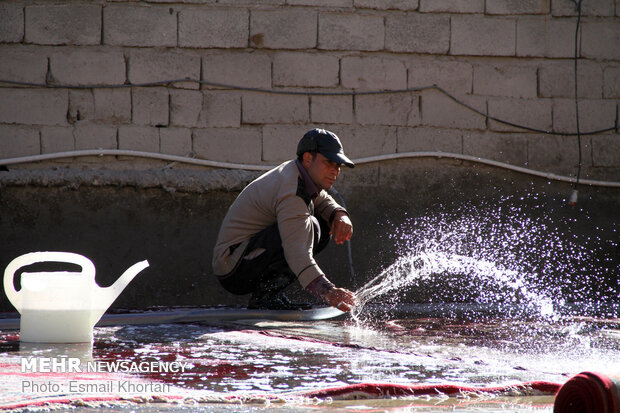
<point x="381" y="390"/>
<point x="57" y="400"/>
<point x="588" y="392"/>
<point x="355" y="391"/>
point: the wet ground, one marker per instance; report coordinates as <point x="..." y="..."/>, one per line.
<point x="504" y="299"/>
<point x="269" y="365"/>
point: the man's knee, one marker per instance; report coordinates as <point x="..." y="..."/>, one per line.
<point x="321" y="234"/>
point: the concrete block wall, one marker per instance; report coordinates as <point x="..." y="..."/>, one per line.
<point x="512" y="60"/>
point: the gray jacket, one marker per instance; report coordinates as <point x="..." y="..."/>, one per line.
<point x="278" y="196"/>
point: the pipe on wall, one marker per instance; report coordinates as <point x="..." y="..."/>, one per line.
<point x="249" y="167"/>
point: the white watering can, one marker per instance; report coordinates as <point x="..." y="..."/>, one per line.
<point x="61" y="307"/>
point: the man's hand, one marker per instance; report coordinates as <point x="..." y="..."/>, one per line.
<point x="342" y="228"/>
<point x="341" y="298"/>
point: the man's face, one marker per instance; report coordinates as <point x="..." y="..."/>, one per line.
<point x="322" y="171"/>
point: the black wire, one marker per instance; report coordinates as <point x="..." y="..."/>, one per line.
<point x="316" y="93"/>
<point x="578" y="7"/>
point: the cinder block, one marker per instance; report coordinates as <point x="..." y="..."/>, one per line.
<point x="112" y="105"/>
<point x="370" y="141"/>
<point x="440" y="110"/>
<point x="326" y="3"/>
<point x="17" y="141"/>
<point x="305" y="70"/>
<point x="139" y="25"/>
<point x="252" y="2"/>
<point x="34" y="106"/>
<point x="157" y="65"/>
<point x="339" y="31"/>
<point x="553" y="153"/>
<point x="506" y="80"/>
<point x="95" y="136"/>
<point x="606" y="150"/>
<point x="600" y="40"/>
<point x="57" y="139"/>
<point x="175" y="141"/>
<point x="280" y="142"/>
<point x="533" y="113"/>
<point x="181" y="1"/>
<point x="138" y="138"/>
<point x="81" y="105"/>
<point x="185" y="107"/>
<point x="259" y="108"/>
<point x="417" y="33"/>
<point x="12" y="27"/>
<point x="508" y="148"/>
<point x="87" y="67"/>
<point x="482" y="36"/>
<point x="57" y="24"/>
<point x="249" y="70"/>
<point x="611" y="82"/>
<point x="229" y="145"/>
<point x="556" y="79"/>
<point x="331" y="109"/>
<point x="150" y="106"/>
<point x="372" y="73"/>
<point x="512" y="7"/>
<point x="289" y="28"/>
<point x="204" y="28"/>
<point x="405" y="5"/>
<point x="400" y="109"/>
<point x="24" y="64"/>
<point x="545" y="37"/>
<point x="593" y="115"/>
<point x="220" y="109"/>
<point x="429" y="140"/>
<point x="452" y="6"/>
<point x="454" y="77"/>
<point x="588" y="8"/>
<point x="363" y="176"/>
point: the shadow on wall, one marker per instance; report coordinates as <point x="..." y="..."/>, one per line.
<point x="398" y="208"/>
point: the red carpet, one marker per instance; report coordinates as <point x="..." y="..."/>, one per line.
<point x="589" y="392"/>
<point x="386" y="390"/>
<point x="586" y="392"/>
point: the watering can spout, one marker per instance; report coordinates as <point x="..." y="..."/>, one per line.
<point x="107" y="295"/>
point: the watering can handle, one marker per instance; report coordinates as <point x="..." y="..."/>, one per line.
<point x="43" y="256"/>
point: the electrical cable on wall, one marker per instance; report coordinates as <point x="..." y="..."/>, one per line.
<point x="574" y="194"/>
<point x="170" y="82"/>
<point x="349" y="251"/>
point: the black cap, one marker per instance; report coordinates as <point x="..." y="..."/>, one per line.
<point x="326" y="143"/>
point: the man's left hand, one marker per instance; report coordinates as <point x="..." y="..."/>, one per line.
<point x="342" y="228"/>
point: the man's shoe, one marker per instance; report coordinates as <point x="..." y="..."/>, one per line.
<point x="298" y="306"/>
<point x="275" y="302"/>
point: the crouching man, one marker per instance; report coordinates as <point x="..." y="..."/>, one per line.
<point x="279" y="222"/>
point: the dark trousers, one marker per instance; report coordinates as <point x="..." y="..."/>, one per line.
<point x="269" y="271"/>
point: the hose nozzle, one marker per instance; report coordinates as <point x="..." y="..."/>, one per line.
<point x="572" y="200"/>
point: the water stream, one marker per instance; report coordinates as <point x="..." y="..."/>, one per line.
<point x="520" y="263"/>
